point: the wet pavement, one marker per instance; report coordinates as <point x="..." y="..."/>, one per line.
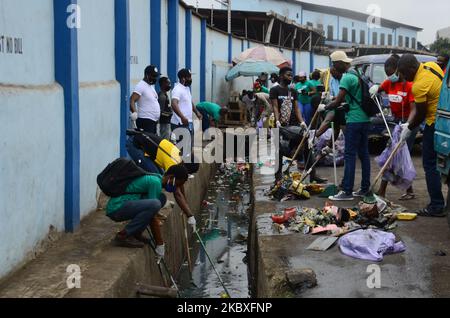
<point x="223" y="224"/>
<point x="421" y="271"/>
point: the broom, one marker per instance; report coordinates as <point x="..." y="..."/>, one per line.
<point x="370" y="198"/>
<point x="332" y="189"/>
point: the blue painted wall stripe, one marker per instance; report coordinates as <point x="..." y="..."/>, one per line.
<point x="294" y="62"/>
<point x="248" y="44"/>
<point x="203" y="61"/>
<point x="155" y="33"/>
<point x="122" y="47"/>
<point x="66" y="74"/>
<point x="311" y="62"/>
<point x="230" y="48"/>
<point x="172" y="40"/>
<point x="188" y="38"/>
<point x="242" y="46"/>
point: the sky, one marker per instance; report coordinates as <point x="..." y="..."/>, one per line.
<point x="431" y="17"/>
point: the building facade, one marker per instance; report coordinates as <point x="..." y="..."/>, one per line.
<point x="341" y="27"/>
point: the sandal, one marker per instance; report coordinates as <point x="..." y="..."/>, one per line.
<point x="407" y="197"/>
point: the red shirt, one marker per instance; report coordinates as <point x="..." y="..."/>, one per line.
<point x="400" y="96"/>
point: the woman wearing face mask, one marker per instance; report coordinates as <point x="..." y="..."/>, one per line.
<point x="401" y="100"/>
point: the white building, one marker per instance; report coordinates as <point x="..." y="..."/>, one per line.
<point x="342" y="27"/>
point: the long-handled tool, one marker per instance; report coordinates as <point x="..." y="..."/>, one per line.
<point x="302" y="143"/>
<point x="152" y="244"/>
<point x="188" y="251"/>
<point x="370" y="197"/>
<point x="212" y="264"/>
<point x="332" y="189"/>
<point x="376" y="100"/>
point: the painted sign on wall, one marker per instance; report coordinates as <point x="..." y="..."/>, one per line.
<point x="11" y="45"/>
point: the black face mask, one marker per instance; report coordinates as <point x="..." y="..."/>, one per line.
<point x="151" y="80"/>
<point x="188" y="83"/>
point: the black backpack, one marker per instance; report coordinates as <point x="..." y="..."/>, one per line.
<point x="117" y="176"/>
<point x="367" y="104"/>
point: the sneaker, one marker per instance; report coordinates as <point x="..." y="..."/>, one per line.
<point x="341" y="196"/>
<point x="360" y="194"/>
<point x="433" y="214"/>
<point x="127" y="241"/>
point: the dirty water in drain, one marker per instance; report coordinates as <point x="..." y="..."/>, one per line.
<point x="223" y="226"/>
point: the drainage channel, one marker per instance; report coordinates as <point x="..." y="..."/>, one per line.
<point x="223" y="226"/>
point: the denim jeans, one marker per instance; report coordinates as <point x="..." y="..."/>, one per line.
<point x="205" y="120"/>
<point x="356" y="143"/>
<point x="432" y="175"/>
<point x="165" y="131"/>
<point x="306" y="111"/>
<point x="141" y="214"/>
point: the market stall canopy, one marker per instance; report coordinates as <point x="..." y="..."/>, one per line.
<point x="251" y="68"/>
<point x="263" y="53"/>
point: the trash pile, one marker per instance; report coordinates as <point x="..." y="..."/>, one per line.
<point x="292" y="188"/>
<point x="354" y="227"/>
<point x="323" y="141"/>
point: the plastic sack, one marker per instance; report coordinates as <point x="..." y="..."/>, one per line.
<point x="370" y="245"/>
<point x="323" y="141"/>
<point x="401" y="173"/>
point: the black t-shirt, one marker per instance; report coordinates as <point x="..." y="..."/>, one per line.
<point x="166" y="110"/>
<point x="285" y="95"/>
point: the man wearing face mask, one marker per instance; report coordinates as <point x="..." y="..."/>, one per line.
<point x="147" y="99"/>
<point x="401" y="100"/>
<point x="141" y="209"/>
<point x="182" y="103"/>
<point x="357" y="128"/>
<point x="166" y="109"/>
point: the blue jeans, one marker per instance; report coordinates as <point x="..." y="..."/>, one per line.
<point x="141" y="214"/>
<point x="141" y="160"/>
<point x="356" y="142"/>
<point x="205" y="121"/>
<point x="306" y="111"/>
<point x="432" y="175"/>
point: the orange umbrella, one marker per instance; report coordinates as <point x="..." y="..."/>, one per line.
<point x="263" y="53"/>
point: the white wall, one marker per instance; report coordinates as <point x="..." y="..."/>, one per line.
<point x="196" y="46"/>
<point x="182" y="38"/>
<point x="32" y="134"/>
<point x="164" y="36"/>
<point x="99" y="97"/>
<point x="140" y="38"/>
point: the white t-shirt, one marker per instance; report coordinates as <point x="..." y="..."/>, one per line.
<point x="148" y="103"/>
<point x="184" y="97"/>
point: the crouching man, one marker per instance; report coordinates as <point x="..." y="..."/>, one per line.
<point x="141" y="204"/>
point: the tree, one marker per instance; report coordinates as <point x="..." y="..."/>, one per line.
<point x="441" y="46"/>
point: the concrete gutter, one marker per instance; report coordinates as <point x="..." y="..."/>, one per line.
<point x="419" y="272"/>
<point x="107" y="271"/>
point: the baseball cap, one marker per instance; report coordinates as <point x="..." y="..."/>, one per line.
<point x="340" y="56"/>
<point x="183" y="73"/>
<point x="152" y="70"/>
<point x="302" y="74"/>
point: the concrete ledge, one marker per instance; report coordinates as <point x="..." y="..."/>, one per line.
<point x="107" y="271"/>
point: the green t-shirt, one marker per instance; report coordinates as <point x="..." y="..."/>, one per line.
<point x="304" y="99"/>
<point x="350" y="83"/>
<point x="151" y="185"/>
<point x="212" y="109"/>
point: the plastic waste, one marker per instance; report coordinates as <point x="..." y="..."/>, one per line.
<point x="402" y="173"/>
<point x="370" y="245"/>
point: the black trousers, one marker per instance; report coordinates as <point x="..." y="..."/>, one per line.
<point x="147" y="125"/>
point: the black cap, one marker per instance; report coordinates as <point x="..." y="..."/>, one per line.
<point x="152" y="70"/>
<point x="183" y="73"/>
